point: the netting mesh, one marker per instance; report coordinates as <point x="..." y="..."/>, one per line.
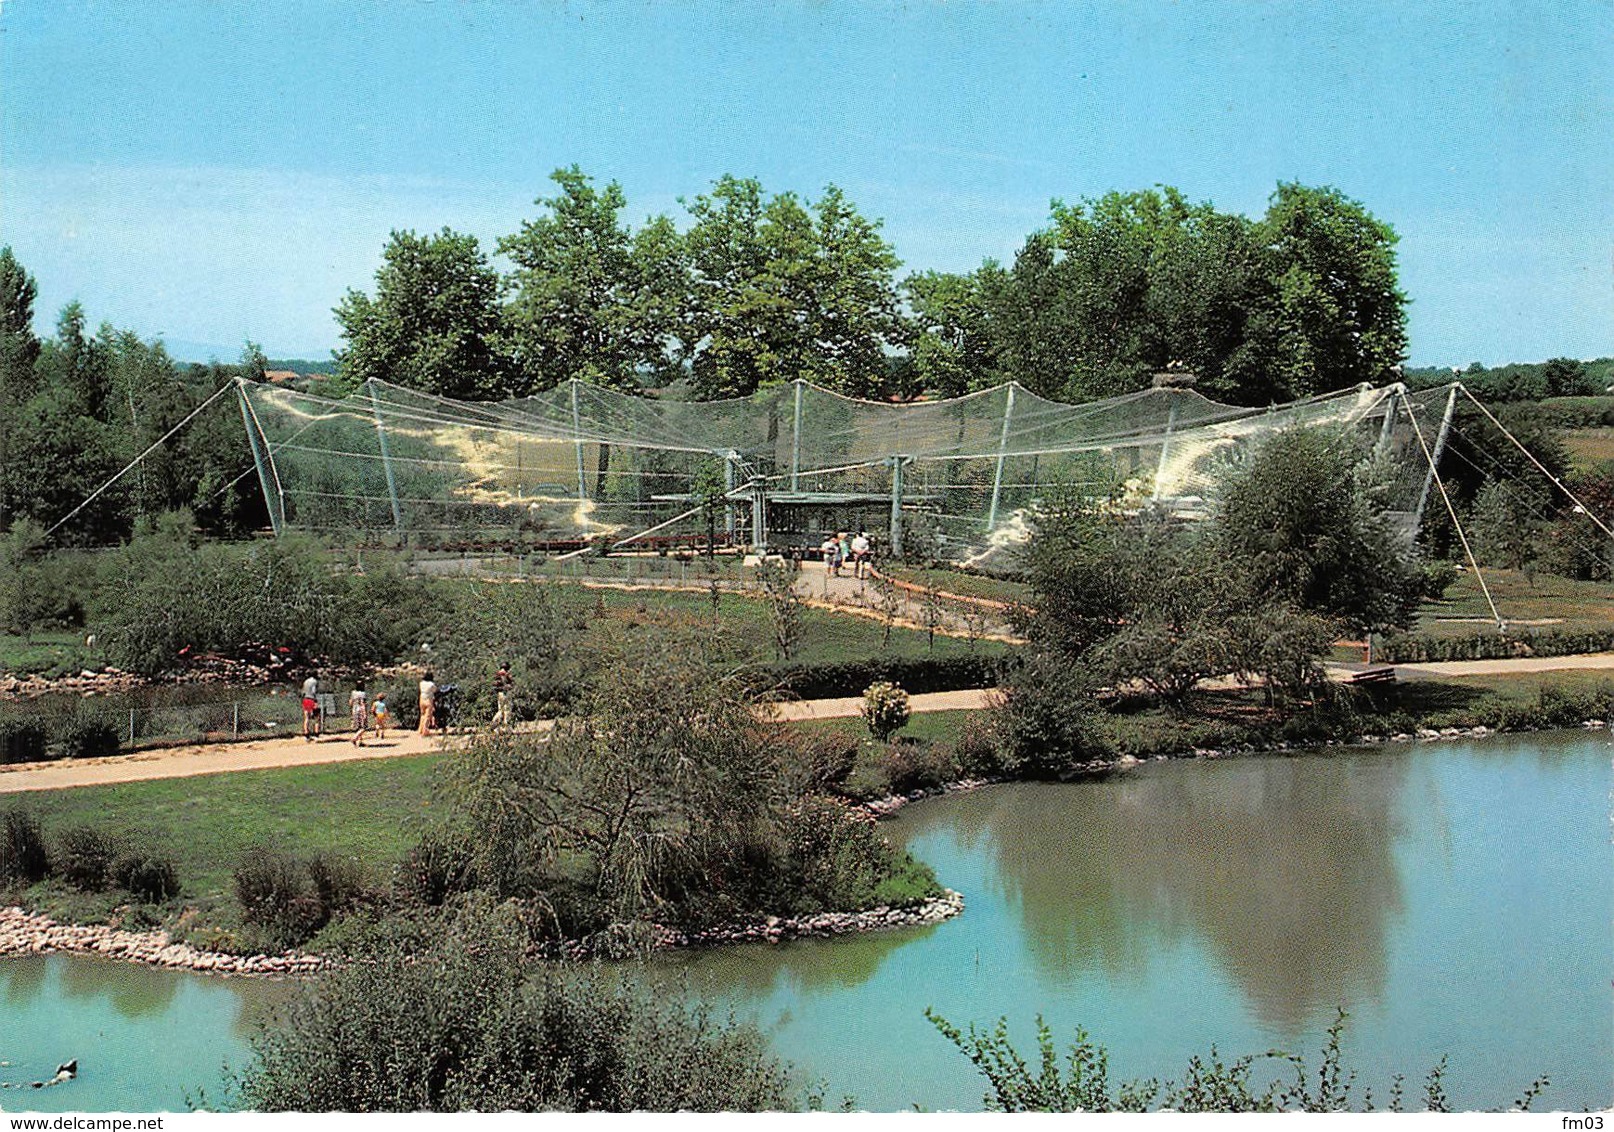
<point x="581" y="464"/>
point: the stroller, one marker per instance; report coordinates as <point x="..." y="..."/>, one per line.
<point x="448" y="705"/>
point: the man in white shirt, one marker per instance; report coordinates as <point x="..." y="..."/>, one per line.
<point x="311" y="719"/>
<point x="861" y="548"/>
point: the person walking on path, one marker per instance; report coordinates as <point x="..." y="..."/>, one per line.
<point x="843" y="551"/>
<point x="860" y="554"/>
<point x="311" y="719"/>
<point x="830" y="549"/>
<point x="503" y="689"/>
<point x="428" y="704"/>
<point x="358" y="706"/>
<point x="379" y="715"/>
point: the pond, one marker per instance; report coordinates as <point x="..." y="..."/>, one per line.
<point x="1454" y="899"/>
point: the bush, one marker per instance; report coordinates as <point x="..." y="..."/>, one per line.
<point x="1410" y="648"/>
<point x="289" y="900"/>
<point x="88" y="736"/>
<point x="274" y="893"/>
<point x="22" y="741"/>
<point x="23" y="856"/>
<point x="885" y="710"/>
<point x="836" y="857"/>
<point x="911" y="766"/>
<point x="433" y="870"/>
<point x="448" y="1018"/>
<point x="1045" y="718"/>
<point x="823" y="762"/>
<point x="84" y="858"/>
<point x="151" y="877"/>
<point x="976" y="750"/>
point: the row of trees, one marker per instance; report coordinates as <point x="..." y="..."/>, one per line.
<point x="78" y="406"/>
<point x="756" y="288"/>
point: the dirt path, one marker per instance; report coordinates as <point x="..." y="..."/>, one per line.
<point x="1437" y="670"/>
<point x="269" y="754"/>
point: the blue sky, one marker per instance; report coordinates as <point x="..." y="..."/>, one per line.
<point x="209" y="172"/>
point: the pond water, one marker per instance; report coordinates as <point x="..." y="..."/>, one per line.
<point x="1454" y="899"/>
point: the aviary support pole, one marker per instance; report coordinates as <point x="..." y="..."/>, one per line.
<point x="759" y="516"/>
<point x="1440" y="446"/>
<point x="795" y="440"/>
<point x="897" y="464"/>
<point x="577" y="443"/>
<point x="997" y="476"/>
<point x="731" y="460"/>
<point x="386" y="461"/>
<point x="277" y="514"/>
<point x="1165" y="449"/>
<point x="1383" y="445"/>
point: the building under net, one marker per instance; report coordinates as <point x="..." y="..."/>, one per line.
<point x="583" y="466"/>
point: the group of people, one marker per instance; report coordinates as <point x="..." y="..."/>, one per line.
<point x="371" y="715"/>
<point x="838" y="549"/>
<point x="367" y="715"/>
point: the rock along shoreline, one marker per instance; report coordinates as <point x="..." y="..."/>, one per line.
<point x="28" y="933"/>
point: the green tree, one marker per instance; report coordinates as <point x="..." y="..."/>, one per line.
<point x="591" y="301"/>
<point x="1567" y="377"/>
<point x="254" y="362"/>
<point x="434" y="322"/>
<point x="19" y="348"/>
<point x="658" y="782"/>
<point x="1304" y="519"/>
<point x="953" y="347"/>
<point x="1342" y="316"/>
<point x="781" y="290"/>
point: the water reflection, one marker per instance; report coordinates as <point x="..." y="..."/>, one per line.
<point x="22" y="980"/>
<point x="133" y="991"/>
<point x="797" y="967"/>
<point x="1284" y="869"/>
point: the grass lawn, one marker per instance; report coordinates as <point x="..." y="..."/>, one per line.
<point x="927" y="727"/>
<point x="1590" y="446"/>
<point x="1562" y="604"/>
<point x="826" y="637"/>
<point x="52" y="651"/>
<point x="369" y="810"/>
<point x="965" y="585"/>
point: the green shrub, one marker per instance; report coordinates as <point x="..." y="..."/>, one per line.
<point x="885" y="710"/>
<point x="22" y="741"/>
<point x="446" y="1017"/>
<point x="88" y="736"/>
<point x="919" y="675"/>
<point x="289" y="900"/>
<point x="151" y="877"/>
<point x="434" y="869"/>
<point x="1045" y="718"/>
<point x="275" y="896"/>
<point x="84" y="858"/>
<point x="916" y="766"/>
<point x="23" y="856"/>
<point x="976" y="750"/>
<point x="836" y="857"/>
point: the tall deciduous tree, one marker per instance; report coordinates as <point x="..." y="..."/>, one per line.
<point x="1342" y="316"/>
<point x="782" y="290"/>
<point x="434" y="321"/>
<point x="591" y="300"/>
<point x="953" y="347"/>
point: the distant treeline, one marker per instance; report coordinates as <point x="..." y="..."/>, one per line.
<point x="1522" y="381"/>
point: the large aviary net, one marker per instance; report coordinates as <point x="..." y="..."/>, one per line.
<point x="581" y="465"/>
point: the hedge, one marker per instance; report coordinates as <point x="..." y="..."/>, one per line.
<point x="1412" y="648"/>
<point x="914" y="675"/>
